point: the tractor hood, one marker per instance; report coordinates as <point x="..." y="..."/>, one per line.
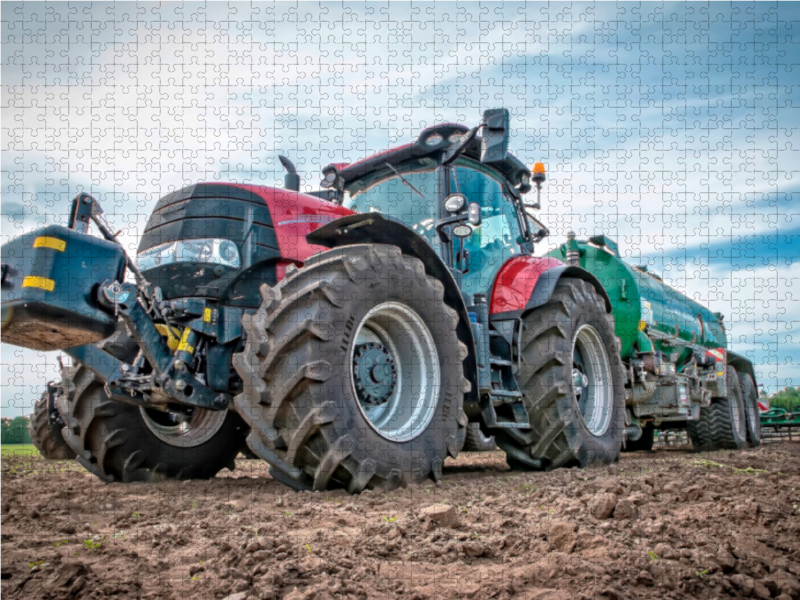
<point x="187" y="247"/>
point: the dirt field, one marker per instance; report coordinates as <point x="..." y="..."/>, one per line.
<point x="666" y="525"/>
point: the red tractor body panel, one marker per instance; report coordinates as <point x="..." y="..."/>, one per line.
<point x="294" y="216"/>
<point x="516" y="281"/>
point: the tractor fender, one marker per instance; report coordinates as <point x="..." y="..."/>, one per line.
<point x="526" y="282"/>
<point x="374" y="228"/>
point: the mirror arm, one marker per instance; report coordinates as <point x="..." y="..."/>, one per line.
<point x="543" y="231"/>
<point x="448" y="221"/>
<point x="452" y="155"/>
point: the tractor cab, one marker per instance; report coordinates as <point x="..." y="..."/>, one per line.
<point x="460" y="192"/>
<point x="498" y="232"/>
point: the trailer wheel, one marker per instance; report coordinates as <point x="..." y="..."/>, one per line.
<point x="477" y="441"/>
<point x="572" y="383"/>
<point x="643" y="443"/>
<point x="45" y="434"/>
<point x="723" y="424"/>
<point x="750" y="398"/>
<point x="353" y="372"/>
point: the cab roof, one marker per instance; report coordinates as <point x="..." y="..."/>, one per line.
<point x="433" y="142"/>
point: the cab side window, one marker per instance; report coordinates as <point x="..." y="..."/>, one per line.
<point x="495" y="240"/>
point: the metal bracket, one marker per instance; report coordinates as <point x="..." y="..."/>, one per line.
<point x="170" y="381"/>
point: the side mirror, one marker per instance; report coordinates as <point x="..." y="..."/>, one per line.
<point x="494" y="135"/>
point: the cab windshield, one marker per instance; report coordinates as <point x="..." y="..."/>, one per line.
<point x="491" y="244"/>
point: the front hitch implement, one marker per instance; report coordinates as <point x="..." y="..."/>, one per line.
<point x="64" y="289"/>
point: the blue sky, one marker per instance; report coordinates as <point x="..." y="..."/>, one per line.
<point x="671" y="127"/>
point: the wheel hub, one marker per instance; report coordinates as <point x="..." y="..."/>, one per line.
<point x="395" y="371"/>
<point x="374" y="373"/>
<point x="579" y="380"/>
<point x="184" y="430"/>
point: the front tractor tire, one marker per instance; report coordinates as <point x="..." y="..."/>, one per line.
<point x="723" y="424"/>
<point x="571" y="378"/>
<point x="353" y="373"/>
<point x="46" y="435"/>
<point x="123" y="443"/>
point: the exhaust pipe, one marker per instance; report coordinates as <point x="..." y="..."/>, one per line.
<point x="291" y="181"/>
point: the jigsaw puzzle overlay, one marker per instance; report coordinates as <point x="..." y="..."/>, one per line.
<point x="471" y="152"/>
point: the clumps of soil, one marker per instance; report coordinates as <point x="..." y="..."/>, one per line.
<point x="670" y="524"/>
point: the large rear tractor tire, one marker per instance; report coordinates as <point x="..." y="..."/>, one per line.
<point x="45" y="434"/>
<point x="353" y="373"/>
<point x="750" y="399"/>
<point x="571" y="379"/>
<point x="123" y="443"/>
<point x="723" y="424"/>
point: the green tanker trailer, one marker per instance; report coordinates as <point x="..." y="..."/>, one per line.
<point x="679" y="371"/>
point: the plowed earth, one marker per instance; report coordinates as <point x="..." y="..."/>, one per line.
<point x="670" y="524"/>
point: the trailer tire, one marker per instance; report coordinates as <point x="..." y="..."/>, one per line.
<point x="320" y="334"/>
<point x="477" y="441"/>
<point x="750" y="399"/>
<point x="46" y="435"/>
<point x="722" y="425"/>
<point x="561" y="434"/>
<point x="643" y="443"/>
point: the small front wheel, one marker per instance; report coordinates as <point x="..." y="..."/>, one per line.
<point x="477" y="441"/>
<point x="46" y="434"/>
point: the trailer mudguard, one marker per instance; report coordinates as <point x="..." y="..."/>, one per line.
<point x="742" y="365"/>
<point x="374" y="228"/>
<point x="526" y="282"/>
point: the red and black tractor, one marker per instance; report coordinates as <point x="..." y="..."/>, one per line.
<point x="350" y="336"/>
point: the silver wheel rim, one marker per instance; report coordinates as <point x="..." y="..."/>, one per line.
<point x="402" y="334"/>
<point x="591" y="380"/>
<point x="184" y="431"/>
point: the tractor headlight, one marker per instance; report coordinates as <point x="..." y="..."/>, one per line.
<point x="204" y="250"/>
<point x="462" y="231"/>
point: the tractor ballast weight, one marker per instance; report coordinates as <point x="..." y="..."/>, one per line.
<point x="356" y="330"/>
<point x="49" y="283"/>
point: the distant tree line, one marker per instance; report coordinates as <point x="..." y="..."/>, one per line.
<point x="787" y="398"/>
<point x="15" y="431"/>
